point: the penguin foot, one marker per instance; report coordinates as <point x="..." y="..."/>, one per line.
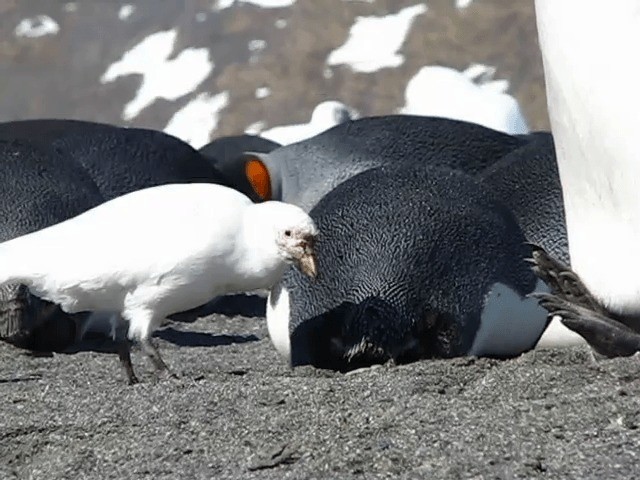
<point x="606" y="335"/>
<point x="579" y="310"/>
<point x="562" y="281"/>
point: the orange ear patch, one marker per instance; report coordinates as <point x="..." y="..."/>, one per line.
<point x="258" y="175"/>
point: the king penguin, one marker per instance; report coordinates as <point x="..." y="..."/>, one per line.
<point x="302" y="173"/>
<point x="593" y="99"/>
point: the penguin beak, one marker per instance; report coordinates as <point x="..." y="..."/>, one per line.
<point x="307" y="262"/>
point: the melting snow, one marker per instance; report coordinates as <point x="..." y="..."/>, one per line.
<point x="461" y="4"/>
<point x="126" y="11"/>
<point x="222" y="4"/>
<point x="255" y="128"/>
<point x="37" y="26"/>
<point x="197" y="120"/>
<point x="325" y="115"/>
<point x="263" y="92"/>
<point x="471" y="96"/>
<point x="373" y="42"/>
<point x="161" y="77"/>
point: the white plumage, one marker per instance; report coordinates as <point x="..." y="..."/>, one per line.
<point x="159" y="251"/>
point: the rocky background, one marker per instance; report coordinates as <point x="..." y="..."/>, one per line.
<point x="237" y="63"/>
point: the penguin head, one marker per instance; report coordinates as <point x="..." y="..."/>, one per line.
<point x="257" y="175"/>
<point x="245" y="162"/>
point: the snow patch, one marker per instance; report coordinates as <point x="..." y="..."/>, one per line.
<point x="222" y="4"/>
<point x="262" y="92"/>
<point x="255" y="128"/>
<point x="161" y="77"/>
<point x="35" y="27"/>
<point x="325" y="115"/>
<point x="471" y="95"/>
<point x="462" y="4"/>
<point x="126" y="11"/>
<point x="197" y="120"/>
<point x="373" y="42"/>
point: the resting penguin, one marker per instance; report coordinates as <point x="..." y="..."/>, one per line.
<point x="593" y="100"/>
<point x="526" y="180"/>
<point x="119" y="160"/>
<point x="47" y="129"/>
<point x="303" y="172"/>
<point x="38" y="188"/>
<point x="414" y="262"/>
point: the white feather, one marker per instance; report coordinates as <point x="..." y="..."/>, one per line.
<point x="154" y="252"/>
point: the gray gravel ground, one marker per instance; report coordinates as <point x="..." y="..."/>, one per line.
<point x="237" y="411"/>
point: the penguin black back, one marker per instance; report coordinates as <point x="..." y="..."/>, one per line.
<point x="303" y="172"/>
<point x="527" y="181"/>
<point x="119" y="160"/>
<point x="407" y="257"/>
<point x="46" y="130"/>
<point x="38" y="188"/>
<point x="126" y="159"/>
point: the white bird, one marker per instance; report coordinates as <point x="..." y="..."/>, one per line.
<point x="470" y="96"/>
<point x="154" y="252"/>
<point x="326" y="115"/>
<point x="589" y="52"/>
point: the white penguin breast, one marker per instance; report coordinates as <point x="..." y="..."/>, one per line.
<point x="278" y="316"/>
<point x="510" y="323"/>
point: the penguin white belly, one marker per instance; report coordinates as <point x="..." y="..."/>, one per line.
<point x="278" y="316"/>
<point x="509" y="324"/>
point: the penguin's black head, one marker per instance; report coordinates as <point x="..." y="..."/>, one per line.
<point x="373" y="331"/>
<point x="245" y="163"/>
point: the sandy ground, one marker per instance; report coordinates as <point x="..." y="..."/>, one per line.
<point x="237" y="411"/>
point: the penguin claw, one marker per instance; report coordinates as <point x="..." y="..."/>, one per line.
<point x="563" y="281"/>
<point x="578" y="310"/>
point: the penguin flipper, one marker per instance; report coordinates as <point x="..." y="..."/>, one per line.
<point x="605" y="335"/>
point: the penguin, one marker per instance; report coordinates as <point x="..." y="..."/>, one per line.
<point x="119" y="160"/>
<point x="593" y="101"/>
<point x="38" y="188"/>
<point x="48" y="129"/>
<point x="302" y="173"/>
<point x="527" y="181"/>
<point x="223" y="153"/>
<point x="127" y="159"/>
<point x="414" y="262"/>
